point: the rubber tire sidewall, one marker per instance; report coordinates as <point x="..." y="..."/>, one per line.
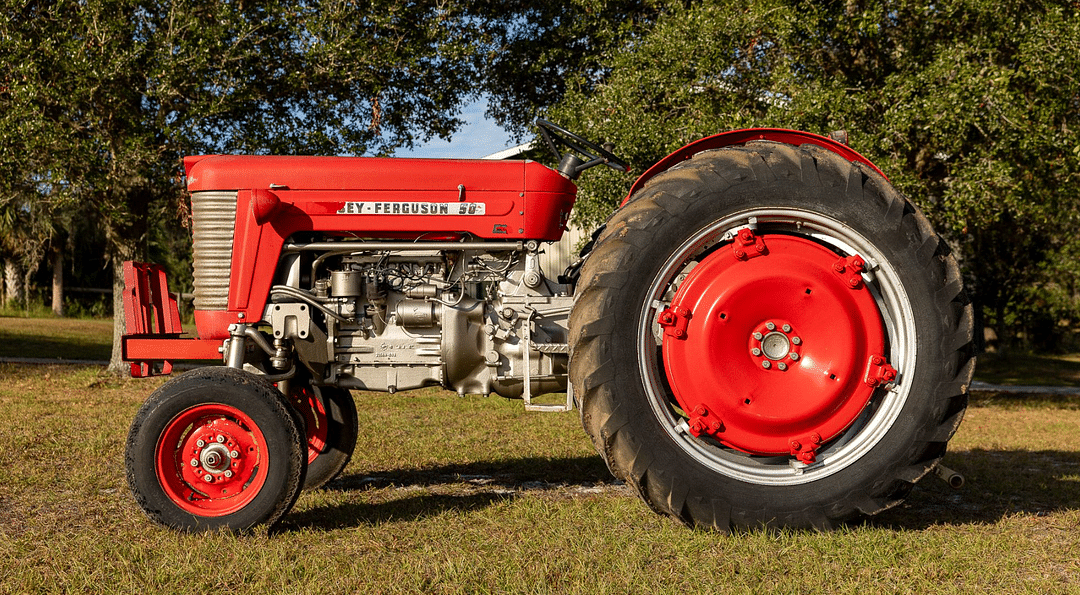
<point x="258" y="399"/>
<point x="678" y="204"/>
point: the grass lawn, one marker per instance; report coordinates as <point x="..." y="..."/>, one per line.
<point x="56" y="338"/>
<point x="473" y="495"/>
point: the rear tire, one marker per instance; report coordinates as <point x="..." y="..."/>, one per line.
<point x="732" y="374"/>
<point x="215" y="448"/>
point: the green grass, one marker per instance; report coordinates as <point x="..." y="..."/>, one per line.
<point x="56" y="338"/>
<point x="473" y="495"/>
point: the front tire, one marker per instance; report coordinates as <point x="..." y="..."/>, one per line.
<point x="215" y="448"/>
<point x="770" y="335"/>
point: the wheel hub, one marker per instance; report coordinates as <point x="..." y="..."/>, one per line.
<point x="772" y="355"/>
<point x="213" y="469"/>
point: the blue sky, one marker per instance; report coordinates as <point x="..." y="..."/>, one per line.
<point x="477" y="138"/>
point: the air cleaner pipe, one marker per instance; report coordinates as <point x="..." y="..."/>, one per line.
<point x="954" y="479"/>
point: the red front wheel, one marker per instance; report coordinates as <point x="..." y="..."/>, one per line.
<point x="215" y="448"/>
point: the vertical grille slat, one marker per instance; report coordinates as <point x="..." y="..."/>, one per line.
<point x="213" y="216"/>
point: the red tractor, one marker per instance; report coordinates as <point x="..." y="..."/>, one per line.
<point x="765" y="333"/>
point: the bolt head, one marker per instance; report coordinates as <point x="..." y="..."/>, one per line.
<point x="787" y="328"/>
<point x="758" y="336"/>
<point x="755" y="352"/>
<point x="200" y="443"/>
<point x="796" y="340"/>
<point x="194" y="462"/>
<point x="228" y="473"/>
<point x="794" y="357"/>
<point x="766" y="364"/>
<point x="234" y="453"/>
<point x="795" y="445"/>
<point x="771" y="326"/>
<point x="854" y="281"/>
<point x="781" y="366"/>
<point x="220" y="439"/>
<point x="208" y="478"/>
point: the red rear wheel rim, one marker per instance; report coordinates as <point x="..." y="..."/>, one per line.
<point x="769" y="354"/>
<point x="211" y="460"/>
<point x="315" y="420"/>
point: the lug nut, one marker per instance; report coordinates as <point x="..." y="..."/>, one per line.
<point x="787" y="328"/>
<point x="758" y="336"/>
<point x="220" y="439"/>
<point x="755" y="351"/>
<point x="766" y="364"/>
<point x="208" y="478"/>
<point x="200" y="443"/>
<point x="234" y="453"/>
<point x="794" y="357"/>
<point x="770" y="326"/>
<point x="227" y="473"/>
<point x="194" y="462"/>
<point x="781" y="366"/>
<point x="796" y="340"/>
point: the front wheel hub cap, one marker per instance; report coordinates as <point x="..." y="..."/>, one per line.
<point x="771" y="355"/>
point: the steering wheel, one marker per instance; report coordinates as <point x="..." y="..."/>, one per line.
<point x="571" y="165"/>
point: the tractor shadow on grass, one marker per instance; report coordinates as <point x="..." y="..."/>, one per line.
<point x="998" y="484"/>
<point x="410" y="494"/>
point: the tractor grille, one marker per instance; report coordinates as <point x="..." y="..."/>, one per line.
<point x="213" y="216"/>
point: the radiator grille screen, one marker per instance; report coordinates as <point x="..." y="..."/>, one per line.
<point x="213" y="216"/>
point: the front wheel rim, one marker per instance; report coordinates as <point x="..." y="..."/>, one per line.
<point x="211" y="460"/>
<point x="783" y="457"/>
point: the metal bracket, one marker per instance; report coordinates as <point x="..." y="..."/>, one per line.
<point x="850" y="269"/>
<point x="674" y="321"/>
<point x="290" y="320"/>
<point x="747" y="245"/>
<point x="526" y="358"/>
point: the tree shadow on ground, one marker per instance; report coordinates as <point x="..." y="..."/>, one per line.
<point x="998" y="484"/>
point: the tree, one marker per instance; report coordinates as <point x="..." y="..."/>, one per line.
<point x="971" y="107"/>
<point x="99" y="99"/>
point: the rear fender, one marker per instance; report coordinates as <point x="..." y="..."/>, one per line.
<point x="740" y="137"/>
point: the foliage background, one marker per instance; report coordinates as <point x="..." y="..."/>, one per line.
<point x="970" y="106"/>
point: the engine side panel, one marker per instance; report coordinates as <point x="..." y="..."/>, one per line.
<point x="353" y="197"/>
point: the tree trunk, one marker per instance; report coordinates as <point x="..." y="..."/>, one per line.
<point x="121" y="251"/>
<point x="58" y="281"/>
<point x="12" y="289"/>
